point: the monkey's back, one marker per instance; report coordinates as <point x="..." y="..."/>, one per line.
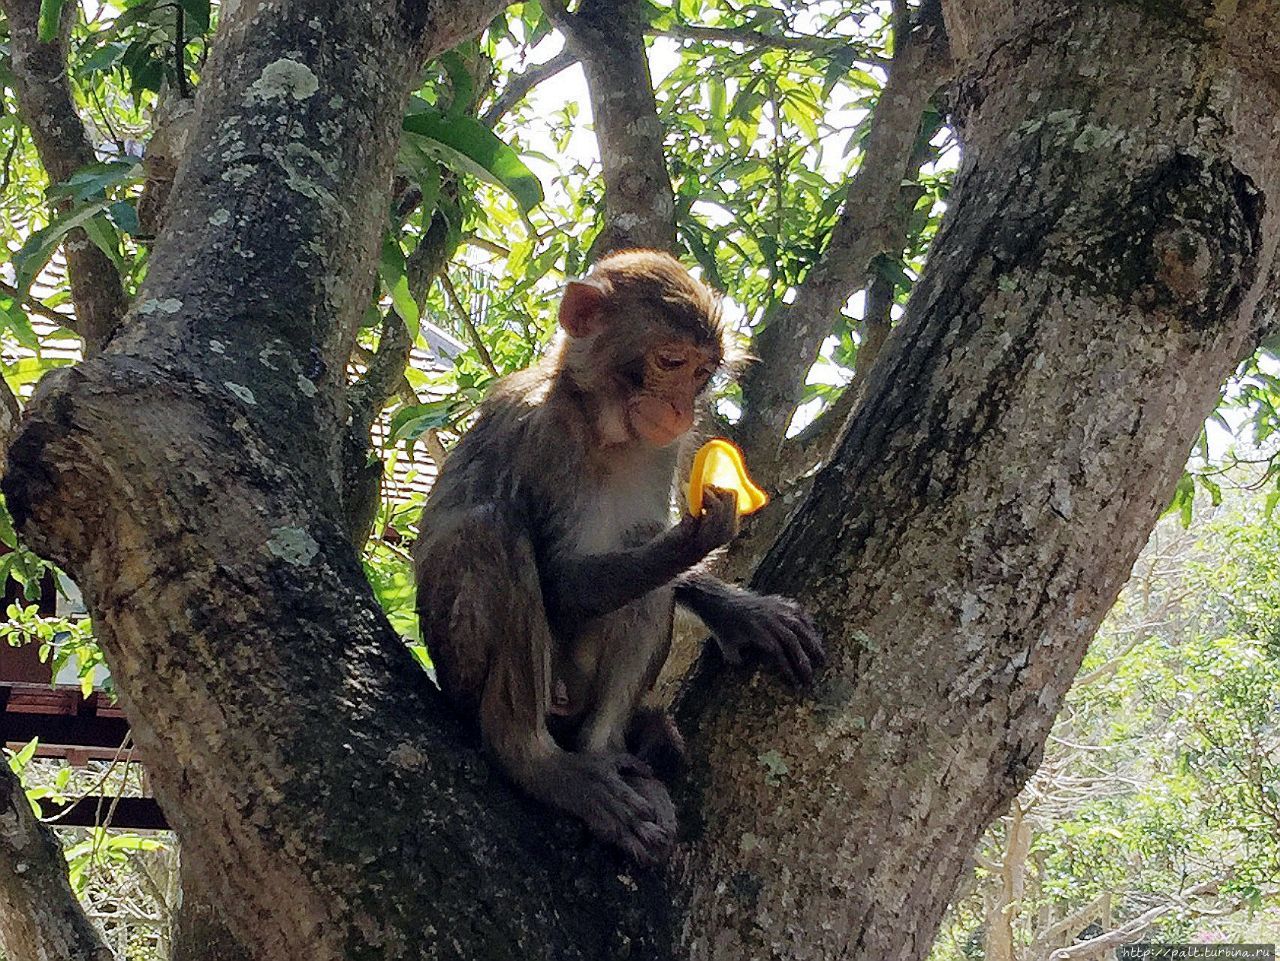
<point x="487" y="509"/>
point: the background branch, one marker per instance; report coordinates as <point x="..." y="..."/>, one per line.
<point x="45" y="102"/>
<point x="787" y="346"/>
<point x="812" y="446"/>
<point x="519" y="86"/>
<point x="639" y="202"/>
<point x="751" y="37"/>
<point x="38" y="308"/>
<point x="40" y="916"/>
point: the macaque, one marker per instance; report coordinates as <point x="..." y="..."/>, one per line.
<point x="548" y="567"/>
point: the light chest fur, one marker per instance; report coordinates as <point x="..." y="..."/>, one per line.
<point x="628" y="505"/>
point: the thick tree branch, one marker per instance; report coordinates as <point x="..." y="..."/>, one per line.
<point x="10" y="413"/>
<point x="383" y="377"/>
<point x="962" y="547"/>
<point x="952" y="549"/>
<point x="40" y="916"/>
<point x="812" y="446"/>
<point x="786" y="347"/>
<point x="639" y="202"/>
<point x="44" y="100"/>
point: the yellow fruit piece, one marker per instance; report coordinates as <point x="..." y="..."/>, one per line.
<point x="718" y="463"/>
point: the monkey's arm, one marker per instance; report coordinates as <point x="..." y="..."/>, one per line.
<point x="775" y="628"/>
<point x="578" y="587"/>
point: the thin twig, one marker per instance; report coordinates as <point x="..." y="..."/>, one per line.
<point x="518" y="87"/>
<point x="455" y="304"/>
<point x="36" y="307"/>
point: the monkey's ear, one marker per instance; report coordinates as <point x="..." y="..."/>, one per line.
<point x="581" y="311"/>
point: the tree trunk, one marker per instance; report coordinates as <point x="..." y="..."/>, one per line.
<point x="200" y="931"/>
<point x="40" y="918"/>
<point x="1098" y="277"/>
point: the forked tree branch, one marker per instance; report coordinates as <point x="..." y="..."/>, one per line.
<point x="786" y="347"/>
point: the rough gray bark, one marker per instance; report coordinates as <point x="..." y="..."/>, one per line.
<point x="200" y="931"/>
<point x="1098" y="276"/>
<point x="1105" y="253"/>
<point x="44" y="100"/>
<point x="185" y="477"/>
<point x="639" y="203"/>
<point x="40" y="918"/>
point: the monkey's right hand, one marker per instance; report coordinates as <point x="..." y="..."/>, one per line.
<point x="715" y="527"/>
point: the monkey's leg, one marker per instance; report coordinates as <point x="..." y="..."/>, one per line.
<point x="612" y="792"/>
<point x="653" y="737"/>
<point x="628" y="649"/>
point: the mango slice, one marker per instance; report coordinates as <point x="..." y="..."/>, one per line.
<point x="718" y="463"/>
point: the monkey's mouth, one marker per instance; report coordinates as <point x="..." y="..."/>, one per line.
<point x="656" y="422"/>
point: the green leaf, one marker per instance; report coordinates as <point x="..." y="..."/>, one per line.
<point x="468" y="145"/>
<point x="1215" y="492"/>
<point x="103" y="234"/>
<point x="124" y="215"/>
<point x="411" y="422"/>
<point x="24" y="756"/>
<point x="1273" y="498"/>
<point x="19" y="324"/>
<point x="460" y="80"/>
<point x="1183" y="498"/>
<point x="91" y="181"/>
<point x="104" y="58"/>
<point x="198" y="12"/>
<point x="8" y="536"/>
<point x="717" y="99"/>
<point x="392" y="270"/>
<point x="28" y="370"/>
<point x="50" y="17"/>
<point x="35" y="253"/>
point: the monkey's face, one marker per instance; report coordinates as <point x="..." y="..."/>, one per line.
<point x="661" y="410"/>
<point x="644" y="338"/>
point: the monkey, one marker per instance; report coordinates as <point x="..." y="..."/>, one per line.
<point x="547" y="565"/>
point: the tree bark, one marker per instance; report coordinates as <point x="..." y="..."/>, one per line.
<point x="40" y="918"/>
<point x="1098" y="275"/>
<point x="639" y="203"/>
<point x="200" y="931"/>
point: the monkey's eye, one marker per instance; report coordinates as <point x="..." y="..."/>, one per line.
<point x="670" y="361"/>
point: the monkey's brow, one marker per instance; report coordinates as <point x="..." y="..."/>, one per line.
<point x="683" y="315"/>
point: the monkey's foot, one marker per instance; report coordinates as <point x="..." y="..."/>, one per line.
<point x="623" y="804"/>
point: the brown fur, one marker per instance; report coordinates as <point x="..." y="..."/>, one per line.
<point x="547" y="568"/>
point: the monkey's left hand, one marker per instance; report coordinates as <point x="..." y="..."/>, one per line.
<point x="774" y="628"/>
